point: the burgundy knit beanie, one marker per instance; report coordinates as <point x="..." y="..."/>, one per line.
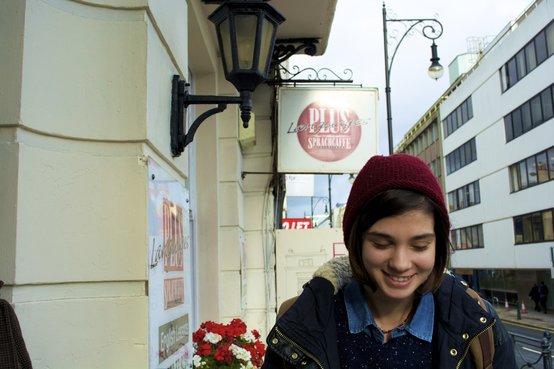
<point x="398" y="171"/>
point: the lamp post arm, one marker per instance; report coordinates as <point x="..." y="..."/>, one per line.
<point x="428" y="31"/>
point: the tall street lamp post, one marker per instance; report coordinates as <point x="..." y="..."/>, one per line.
<point x="313" y="206"/>
<point x="431" y="29"/>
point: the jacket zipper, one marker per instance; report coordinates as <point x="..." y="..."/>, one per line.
<point x="470" y="342"/>
<point x="300" y="348"/>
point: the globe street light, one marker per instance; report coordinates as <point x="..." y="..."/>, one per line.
<point x="430" y="29"/>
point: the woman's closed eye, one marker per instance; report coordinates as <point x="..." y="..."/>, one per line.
<point x="381" y="244"/>
<point x="421" y="246"/>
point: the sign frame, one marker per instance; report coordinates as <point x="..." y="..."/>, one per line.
<point x="326" y="129"/>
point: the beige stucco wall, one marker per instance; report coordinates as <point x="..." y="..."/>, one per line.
<point x="84" y="99"/>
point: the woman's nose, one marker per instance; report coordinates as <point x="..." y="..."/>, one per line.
<point x="400" y="259"/>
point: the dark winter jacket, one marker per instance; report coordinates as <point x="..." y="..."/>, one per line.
<point x="305" y="335"/>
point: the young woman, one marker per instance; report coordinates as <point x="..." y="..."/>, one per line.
<point x="390" y="304"/>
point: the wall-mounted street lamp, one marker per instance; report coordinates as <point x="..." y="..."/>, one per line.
<point x="430" y="29"/>
<point x="246" y="31"/>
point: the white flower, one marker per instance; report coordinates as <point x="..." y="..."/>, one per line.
<point x="240" y="353"/>
<point x="212" y="337"/>
<point x="197" y="361"/>
<point x="248" y="337"/>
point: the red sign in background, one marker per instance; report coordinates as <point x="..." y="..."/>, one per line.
<point x="297" y="223"/>
<point x="328" y="133"/>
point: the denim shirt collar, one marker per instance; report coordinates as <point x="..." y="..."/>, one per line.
<point x="360" y="317"/>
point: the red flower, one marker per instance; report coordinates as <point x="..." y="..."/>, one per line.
<point x="198" y="336"/>
<point x="219" y="354"/>
<point x="204" y="349"/>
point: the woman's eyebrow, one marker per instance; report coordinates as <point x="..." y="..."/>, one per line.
<point x="424" y="236"/>
<point x="379" y="235"/>
<point x="419" y="237"/>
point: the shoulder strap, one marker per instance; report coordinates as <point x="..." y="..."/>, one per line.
<point x="286" y="305"/>
<point x="482" y="348"/>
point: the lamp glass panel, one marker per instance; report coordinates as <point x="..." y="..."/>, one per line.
<point x="246" y="39"/>
<point x="265" y="44"/>
<point x="225" y="34"/>
<point x="435" y="71"/>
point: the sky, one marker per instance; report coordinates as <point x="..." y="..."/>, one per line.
<point x="356" y="43"/>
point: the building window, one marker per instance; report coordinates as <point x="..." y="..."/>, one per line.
<point x="540" y="48"/>
<point x="534" y="227"/>
<point x="468" y="237"/>
<point x="461" y="157"/>
<point x="459" y="116"/>
<point x="435" y="167"/>
<point x="532" y="171"/>
<point x="423" y="140"/>
<point x="530" y="114"/>
<point x="464" y="197"/>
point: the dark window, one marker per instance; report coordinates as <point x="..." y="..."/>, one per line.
<point x="533" y="170"/>
<point x="536" y="223"/>
<point x="518" y="230"/>
<point x="451" y="201"/>
<point x="464" y="113"/>
<point x="521" y="64"/>
<point x="546" y="102"/>
<point x="536" y="111"/>
<point x="530" y="114"/>
<point x="550" y="157"/>
<point x="458" y="117"/>
<point x="516" y="122"/>
<point x="530" y="56"/>
<point x="541" y="48"/>
<point x="468" y="237"/>
<point x="523" y="174"/>
<point x="528" y="228"/>
<point x="549" y="31"/>
<point x="508" y="127"/>
<point x="464" y="196"/>
<point x="504" y="78"/>
<point x="527" y="59"/>
<point x="548" y="225"/>
<point x="512" y="72"/>
<point x="526" y="117"/>
<point x="461" y="157"/>
<point x="542" y="167"/>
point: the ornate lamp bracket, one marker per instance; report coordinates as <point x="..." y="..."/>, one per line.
<point x="285" y="48"/>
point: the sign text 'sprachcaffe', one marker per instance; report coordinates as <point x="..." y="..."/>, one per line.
<point x="327" y="133"/>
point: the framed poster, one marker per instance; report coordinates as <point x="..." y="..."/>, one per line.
<point x="326" y="130"/>
<point x="169" y="272"/>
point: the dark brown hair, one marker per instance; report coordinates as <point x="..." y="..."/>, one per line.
<point x="396" y="202"/>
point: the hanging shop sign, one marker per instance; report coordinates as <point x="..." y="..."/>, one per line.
<point x="169" y="272"/>
<point x="326" y="130"/>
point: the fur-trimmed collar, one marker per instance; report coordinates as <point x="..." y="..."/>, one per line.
<point x="337" y="271"/>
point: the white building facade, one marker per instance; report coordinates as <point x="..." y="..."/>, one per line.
<point x="498" y="145"/>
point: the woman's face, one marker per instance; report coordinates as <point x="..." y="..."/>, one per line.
<point x="398" y="253"/>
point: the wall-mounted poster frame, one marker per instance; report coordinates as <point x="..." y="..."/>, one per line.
<point x="170" y="272"/>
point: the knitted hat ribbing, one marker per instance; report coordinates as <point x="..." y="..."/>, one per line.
<point x="398" y="171"/>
